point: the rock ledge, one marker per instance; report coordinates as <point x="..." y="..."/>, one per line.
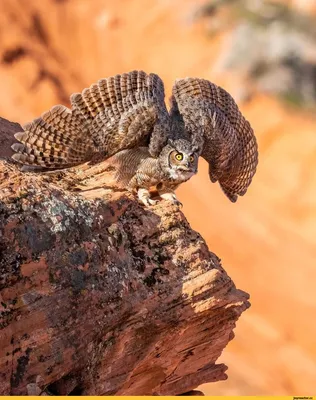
<point x="101" y="296"/>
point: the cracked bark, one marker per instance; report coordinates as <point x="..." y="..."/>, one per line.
<point x="101" y="296"/>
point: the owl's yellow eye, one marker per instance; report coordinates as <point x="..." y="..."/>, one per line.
<point x="179" y="156"/>
<point x="191" y="158"/>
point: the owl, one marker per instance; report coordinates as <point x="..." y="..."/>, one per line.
<point x="124" y="118"/>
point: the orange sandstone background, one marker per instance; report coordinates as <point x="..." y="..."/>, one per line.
<point x="267" y="240"/>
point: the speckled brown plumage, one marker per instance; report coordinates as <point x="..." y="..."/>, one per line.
<point x="217" y="128"/>
<point x="126" y="116"/>
<point x="58" y="139"/>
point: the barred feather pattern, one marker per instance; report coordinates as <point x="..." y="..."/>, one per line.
<point x="125" y="111"/>
<point x="218" y="129"/>
<point x="120" y="112"/>
<point x="126" y="115"/>
<point x="57" y="139"/>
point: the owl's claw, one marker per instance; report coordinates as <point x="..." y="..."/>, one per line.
<point x="144" y="197"/>
<point x="170" y="196"/>
<point x="151" y="202"/>
<point x="177" y="203"/>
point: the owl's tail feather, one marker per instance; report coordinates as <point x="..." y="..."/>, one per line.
<point x="58" y="139"/>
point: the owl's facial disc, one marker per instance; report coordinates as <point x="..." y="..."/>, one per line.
<point x="183" y="162"/>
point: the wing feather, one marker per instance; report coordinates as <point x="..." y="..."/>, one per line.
<point x="125" y="111"/>
<point x="58" y="139"/>
<point x="219" y="131"/>
<point x="120" y="112"/>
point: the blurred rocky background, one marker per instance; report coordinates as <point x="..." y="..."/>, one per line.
<point x="271" y="45"/>
<point x="264" y="53"/>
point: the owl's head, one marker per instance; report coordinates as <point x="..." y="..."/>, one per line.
<point x="179" y="160"/>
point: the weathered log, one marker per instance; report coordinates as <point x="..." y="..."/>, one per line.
<point x="100" y="295"/>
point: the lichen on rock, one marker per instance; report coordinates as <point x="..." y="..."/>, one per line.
<point x="101" y="296"/>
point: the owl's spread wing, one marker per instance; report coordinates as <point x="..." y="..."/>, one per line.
<point x="125" y="111"/>
<point x="217" y="128"/>
<point x="120" y="112"/>
<point x="57" y="139"/>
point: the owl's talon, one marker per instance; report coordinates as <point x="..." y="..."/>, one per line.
<point x="148" y="202"/>
<point x="144" y="197"/>
<point x="177" y="203"/>
<point x="151" y="202"/>
<point x="170" y="196"/>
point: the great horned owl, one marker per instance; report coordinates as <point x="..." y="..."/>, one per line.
<point x="125" y="116"/>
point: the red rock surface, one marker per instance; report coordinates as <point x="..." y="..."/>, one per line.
<point x="99" y="296"/>
<point x="267" y="239"/>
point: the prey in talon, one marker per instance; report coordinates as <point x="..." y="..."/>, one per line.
<point x="124" y="118"/>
